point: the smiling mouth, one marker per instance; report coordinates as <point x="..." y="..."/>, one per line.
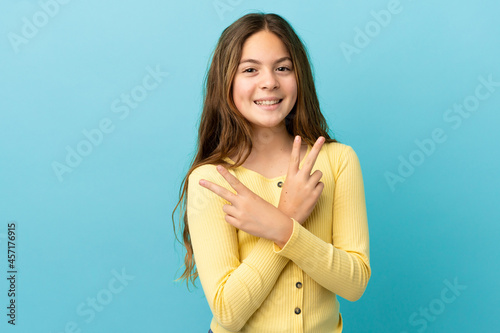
<point x="276" y="101"/>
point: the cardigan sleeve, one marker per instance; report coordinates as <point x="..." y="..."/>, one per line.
<point x="234" y="288"/>
<point x="344" y="266"/>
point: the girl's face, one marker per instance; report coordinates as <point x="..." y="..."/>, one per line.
<point x="264" y="87"/>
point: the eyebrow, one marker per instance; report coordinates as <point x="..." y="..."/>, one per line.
<point x="258" y="62"/>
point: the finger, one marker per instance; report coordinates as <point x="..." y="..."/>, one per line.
<point x="315" y="177"/>
<point x="313" y="154"/>
<point x="230" y="210"/>
<point x="293" y="166"/>
<point x="319" y="187"/>
<point x="219" y="190"/>
<point x="232" y="180"/>
<point x="232" y="221"/>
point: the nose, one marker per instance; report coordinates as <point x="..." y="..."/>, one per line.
<point x="269" y="80"/>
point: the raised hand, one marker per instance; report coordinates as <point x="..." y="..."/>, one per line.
<point x="249" y="212"/>
<point x="301" y="190"/>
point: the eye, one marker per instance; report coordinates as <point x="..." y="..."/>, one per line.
<point x="283" y="69"/>
<point x="249" y="70"/>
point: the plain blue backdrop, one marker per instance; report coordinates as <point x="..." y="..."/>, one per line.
<point x="99" y="108"/>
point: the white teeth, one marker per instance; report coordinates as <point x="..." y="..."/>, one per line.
<point x="267" y="102"/>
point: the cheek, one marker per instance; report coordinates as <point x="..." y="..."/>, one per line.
<point x="291" y="87"/>
<point x="242" y="91"/>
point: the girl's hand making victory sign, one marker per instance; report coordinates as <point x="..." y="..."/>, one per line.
<point x="301" y="190"/>
<point x="249" y="212"/>
<point x="254" y="215"/>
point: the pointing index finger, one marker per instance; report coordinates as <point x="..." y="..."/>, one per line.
<point x="232" y="180"/>
<point x="293" y="167"/>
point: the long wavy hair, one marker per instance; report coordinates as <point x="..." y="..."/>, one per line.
<point x="223" y="131"/>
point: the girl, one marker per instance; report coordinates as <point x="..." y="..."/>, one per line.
<point x="273" y="245"/>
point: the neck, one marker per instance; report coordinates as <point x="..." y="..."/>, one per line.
<point x="271" y="142"/>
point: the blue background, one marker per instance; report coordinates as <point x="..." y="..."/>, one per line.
<point x="112" y="213"/>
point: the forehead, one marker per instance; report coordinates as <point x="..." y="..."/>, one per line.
<point x="264" y="45"/>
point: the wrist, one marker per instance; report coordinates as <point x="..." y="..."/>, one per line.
<point x="290" y="213"/>
<point x="285" y="233"/>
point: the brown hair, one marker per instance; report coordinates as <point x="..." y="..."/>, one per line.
<point x="223" y="131"/>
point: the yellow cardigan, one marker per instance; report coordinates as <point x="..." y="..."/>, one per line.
<point x="252" y="285"/>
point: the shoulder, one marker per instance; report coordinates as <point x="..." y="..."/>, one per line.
<point x="200" y="193"/>
<point x="209" y="172"/>
<point x="205" y="171"/>
<point x="341" y="156"/>
<point x="339" y="151"/>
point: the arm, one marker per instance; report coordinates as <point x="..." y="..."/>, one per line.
<point x="343" y="268"/>
<point x="234" y="289"/>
